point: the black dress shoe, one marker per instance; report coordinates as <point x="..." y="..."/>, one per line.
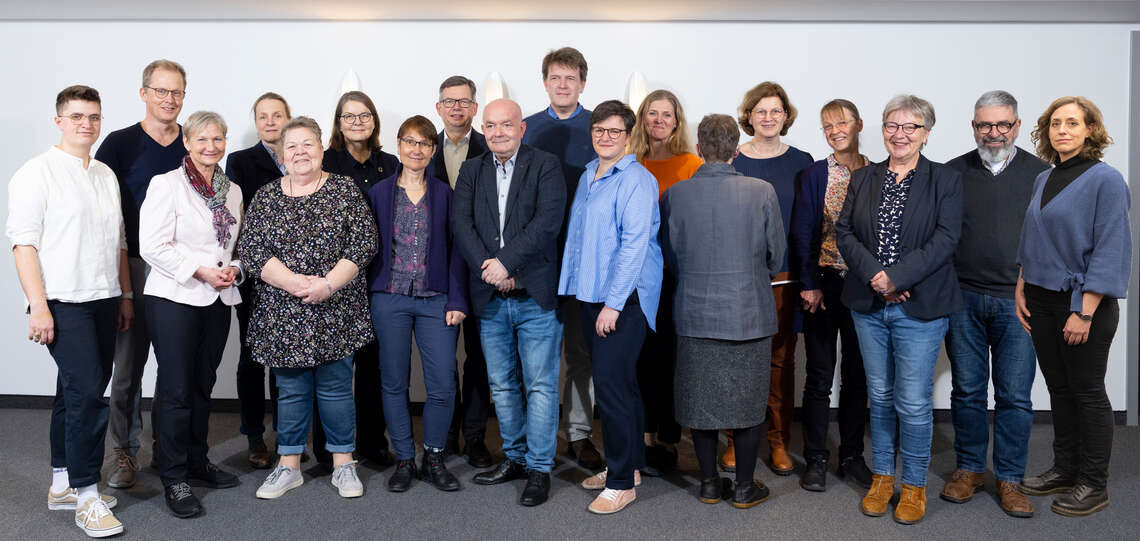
<point x="478" y="456"/>
<point x="749" y="494"/>
<point x="434" y="471"/>
<point x="1050" y="482"/>
<point x="401" y="479"/>
<point x="1082" y="501"/>
<point x="537" y="489"/>
<point x="508" y="470"/>
<point x="379" y="457"/>
<point x="209" y="476"/>
<point x="586" y="454"/>
<point x="182" y="501"/>
<point x="855" y="469"/>
<point x="715" y="490"/>
<point x="815" y="476"/>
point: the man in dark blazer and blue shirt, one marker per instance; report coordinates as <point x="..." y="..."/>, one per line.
<point x="507" y="211"/>
<point x="459" y="142"/>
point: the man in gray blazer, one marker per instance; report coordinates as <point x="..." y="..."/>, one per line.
<point x="723" y="238"/>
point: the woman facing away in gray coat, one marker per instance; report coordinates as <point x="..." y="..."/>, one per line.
<point x="723" y="240"/>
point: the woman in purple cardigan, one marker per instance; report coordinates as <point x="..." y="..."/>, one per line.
<point x="1076" y="258"/>
<point x="417" y="284"/>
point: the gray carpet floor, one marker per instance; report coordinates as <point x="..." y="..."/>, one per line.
<point x="666" y="508"/>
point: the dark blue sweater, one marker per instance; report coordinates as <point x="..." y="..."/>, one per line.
<point x="136" y="158"/>
<point x="781" y="172"/>
<point x="568" y="139"/>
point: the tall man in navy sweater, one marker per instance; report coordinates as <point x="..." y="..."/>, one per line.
<point x="997" y="184"/>
<point x="136" y="154"/>
<point x="563" y="129"/>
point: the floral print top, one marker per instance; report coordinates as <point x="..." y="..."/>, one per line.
<point x="309" y="235"/>
<point x="890" y="215"/>
<point x="410" y="234"/>
<point x="838" y="178"/>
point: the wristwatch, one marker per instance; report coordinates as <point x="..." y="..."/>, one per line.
<point x="1084" y="316"/>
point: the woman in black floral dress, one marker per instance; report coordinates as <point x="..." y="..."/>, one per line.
<point x="306" y="237"/>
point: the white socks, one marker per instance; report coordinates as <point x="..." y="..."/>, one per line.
<point x="88" y="492"/>
<point x="59" y="481"/>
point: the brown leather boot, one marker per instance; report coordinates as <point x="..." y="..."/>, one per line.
<point x="1013" y="502"/>
<point x="781" y="463"/>
<point x="879" y="496"/>
<point x="728" y="459"/>
<point x="912" y="505"/>
<point x="962" y="486"/>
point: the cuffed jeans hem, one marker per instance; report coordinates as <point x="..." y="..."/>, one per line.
<point x="540" y="469"/>
<point x="340" y="448"/>
<point x="291" y="449"/>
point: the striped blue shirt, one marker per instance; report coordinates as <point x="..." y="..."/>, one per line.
<point x="611" y="243"/>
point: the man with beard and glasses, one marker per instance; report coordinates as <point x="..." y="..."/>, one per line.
<point x="984" y="335"/>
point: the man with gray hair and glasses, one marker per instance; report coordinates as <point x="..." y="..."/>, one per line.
<point x="985" y="336"/>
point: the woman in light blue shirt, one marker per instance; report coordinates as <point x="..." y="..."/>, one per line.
<point x="613" y="265"/>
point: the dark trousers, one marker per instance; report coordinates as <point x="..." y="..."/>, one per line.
<point x="395" y="318"/>
<point x="745" y="444"/>
<point x="188" y="345"/>
<point x="251" y="377"/>
<point x="84" y="352"/>
<point x="1082" y="414"/>
<point x="473" y="402"/>
<point x="655" y="370"/>
<point x="820" y="332"/>
<point x="370" y="424"/>
<point x="616" y="389"/>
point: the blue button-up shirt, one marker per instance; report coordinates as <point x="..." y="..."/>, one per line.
<point x="503" y="173"/>
<point x="554" y="115"/>
<point x="276" y="159"/>
<point x="611" y="243"/>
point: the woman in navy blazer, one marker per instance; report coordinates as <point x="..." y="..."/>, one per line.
<point x="418" y="284"/>
<point x="897" y="232"/>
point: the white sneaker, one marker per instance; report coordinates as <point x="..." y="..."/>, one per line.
<point x="66" y="500"/>
<point x="598" y="480"/>
<point x="96" y="520"/>
<point x="281" y="480"/>
<point x="347" y="483"/>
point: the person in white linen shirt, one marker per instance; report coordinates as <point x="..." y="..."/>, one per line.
<point x="70" y="247"/>
<point x="188" y="225"/>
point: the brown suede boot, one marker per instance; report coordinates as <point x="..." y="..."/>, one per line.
<point x="879" y="496"/>
<point x="728" y="459"/>
<point x="962" y="486"/>
<point x="781" y="463"/>
<point x="1013" y="502"/>
<point x="912" y="505"/>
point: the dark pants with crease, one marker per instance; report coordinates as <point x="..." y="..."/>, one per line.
<point x="1082" y="414"/>
<point x="84" y="352"/>
<point x="370" y="424"/>
<point x="188" y="345"/>
<point x="251" y="377"/>
<point x="821" y="329"/>
<point x="655" y="370"/>
<point x="473" y="402"/>
<point x="616" y="389"/>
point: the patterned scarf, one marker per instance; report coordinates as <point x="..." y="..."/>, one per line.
<point x="215" y="196"/>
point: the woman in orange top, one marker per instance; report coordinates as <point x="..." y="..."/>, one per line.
<point x="660" y="140"/>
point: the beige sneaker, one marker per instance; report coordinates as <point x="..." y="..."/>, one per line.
<point x="66" y="500"/>
<point x="123" y="475"/>
<point x="611" y="501"/>
<point x="598" y="480"/>
<point x="96" y="520"/>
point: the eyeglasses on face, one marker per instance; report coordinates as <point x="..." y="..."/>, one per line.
<point x="909" y="128"/>
<point x="452" y="102"/>
<point x="415" y="143"/>
<point x="161" y="93"/>
<point x="614" y="133"/>
<point x="983" y="128"/>
<point x="350" y="118"/>
<point x="765" y="113"/>
<point x="78" y="117"/>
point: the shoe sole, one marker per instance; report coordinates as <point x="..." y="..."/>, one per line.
<point x="281" y="492"/>
<point x="871" y="513"/>
<point x="710" y="501"/>
<point x="1034" y="492"/>
<point x="782" y="473"/>
<point x="121" y="485"/>
<point x="749" y="505"/>
<point x="101" y="533"/>
<point x="188" y="514"/>
<point x="1018" y="514"/>
<point x="349" y="493"/>
<point x="1071" y="513"/>
<point x="813" y="488"/>
<point x="952" y="499"/>
<point x="907" y="522"/>
<point x="71" y="506"/>
<point x="592" y="510"/>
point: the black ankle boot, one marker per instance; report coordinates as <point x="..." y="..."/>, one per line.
<point x="434" y="471"/>
<point x="401" y="479"/>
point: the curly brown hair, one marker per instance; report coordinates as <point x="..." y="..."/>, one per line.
<point x="1095" y="143"/>
<point x="763" y="90"/>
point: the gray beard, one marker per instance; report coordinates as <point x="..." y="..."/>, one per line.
<point x="995" y="155"/>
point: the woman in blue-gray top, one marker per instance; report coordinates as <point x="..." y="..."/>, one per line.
<point x="1075" y="257"/>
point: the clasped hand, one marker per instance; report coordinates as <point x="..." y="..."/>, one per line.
<point x="495" y="273"/>
<point x="217" y="278"/>
<point x="310" y="289"/>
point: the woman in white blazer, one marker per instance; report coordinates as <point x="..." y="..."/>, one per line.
<point x="188" y="225"/>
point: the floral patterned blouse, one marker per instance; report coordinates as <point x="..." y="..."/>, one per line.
<point x="309" y="235"/>
<point x="410" y="234"/>
<point x="890" y="215"/>
<point x="838" y="179"/>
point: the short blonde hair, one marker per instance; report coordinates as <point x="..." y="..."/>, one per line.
<point x="1095" y="143"/>
<point x="302" y="122"/>
<point x="163" y="64"/>
<point x="199" y="121"/>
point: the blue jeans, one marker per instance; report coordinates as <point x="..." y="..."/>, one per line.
<point x="518" y="334"/>
<point x="333" y="383"/>
<point x="395" y="317"/>
<point x="899" y="353"/>
<point x="988" y="326"/>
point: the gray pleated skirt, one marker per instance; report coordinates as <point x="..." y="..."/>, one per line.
<point x="721" y="384"/>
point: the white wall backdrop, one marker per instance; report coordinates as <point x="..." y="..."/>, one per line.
<point x="708" y="65"/>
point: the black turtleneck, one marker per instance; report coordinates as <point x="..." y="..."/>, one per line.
<point x="1063" y="175"/>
